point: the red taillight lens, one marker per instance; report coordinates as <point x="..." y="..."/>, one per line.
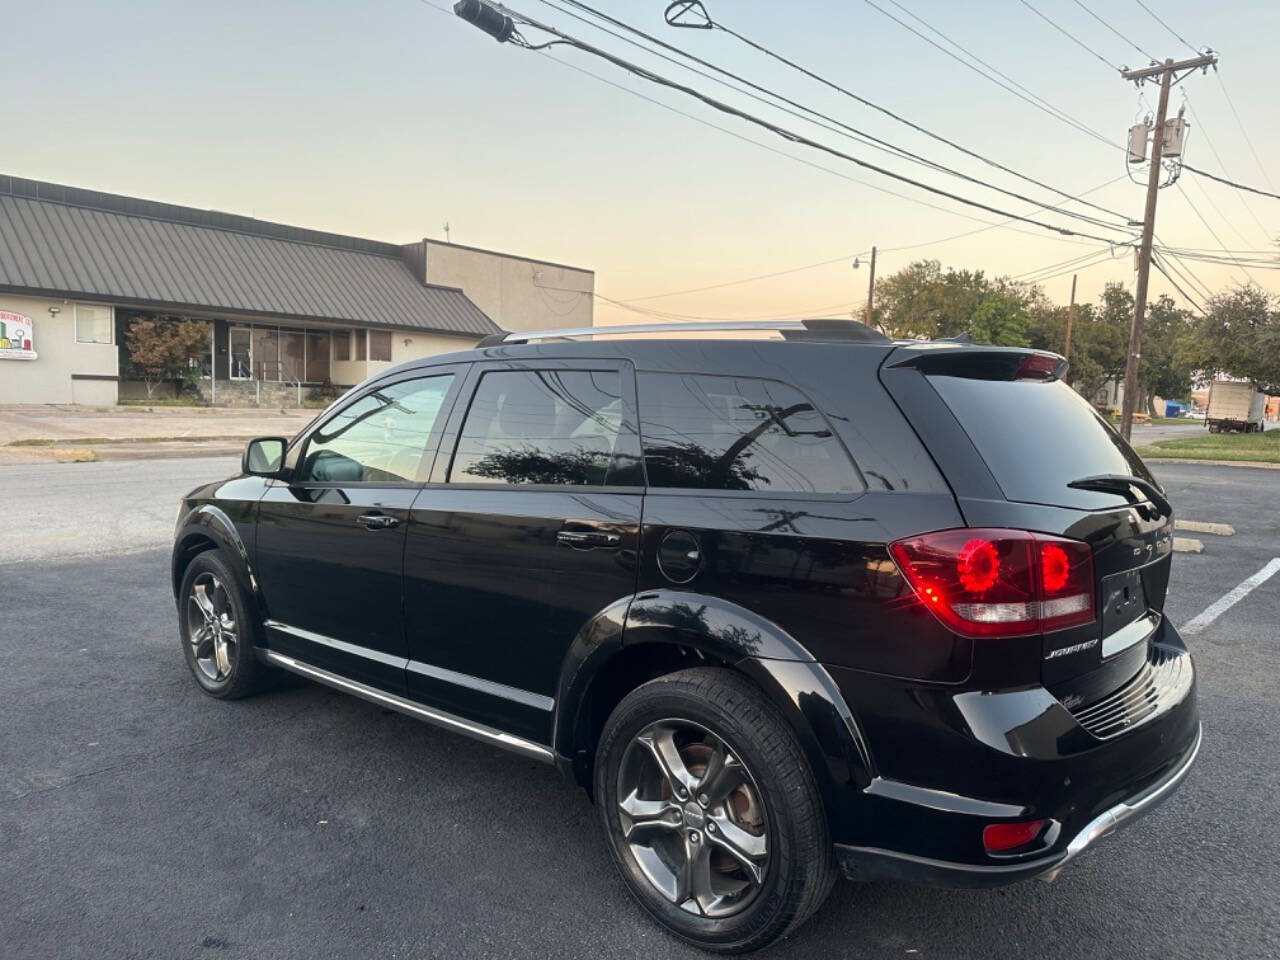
<point x="1006" y="583"/>
<point x="1004" y="837"/>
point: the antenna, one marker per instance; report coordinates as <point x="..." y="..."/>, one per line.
<point x="446" y="231"/>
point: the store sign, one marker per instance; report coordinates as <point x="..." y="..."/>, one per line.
<point x="17" y="339"/>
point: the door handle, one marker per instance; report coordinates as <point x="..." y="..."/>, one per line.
<point x="377" y="521"/>
<point x="588" y="539"/>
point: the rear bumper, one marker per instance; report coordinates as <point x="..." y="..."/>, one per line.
<point x="871" y="863"/>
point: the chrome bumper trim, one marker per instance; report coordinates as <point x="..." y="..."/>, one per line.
<point x="416" y="710"/>
<point x="1107" y="821"/>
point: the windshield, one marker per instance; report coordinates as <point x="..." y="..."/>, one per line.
<point x="1037" y="436"/>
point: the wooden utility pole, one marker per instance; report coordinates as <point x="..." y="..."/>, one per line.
<point x="1165" y="71"/>
<point x="871" y="291"/>
<point x="1071" y="316"/>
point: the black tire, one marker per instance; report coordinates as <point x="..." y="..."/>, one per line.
<point x="800" y="866"/>
<point x="244" y="674"/>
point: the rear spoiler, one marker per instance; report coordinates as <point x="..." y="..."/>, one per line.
<point x="979" y="363"/>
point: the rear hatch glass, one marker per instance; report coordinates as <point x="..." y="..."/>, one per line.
<point x="1037" y="436"/>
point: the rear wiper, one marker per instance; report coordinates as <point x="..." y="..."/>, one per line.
<point x="1120" y="483"/>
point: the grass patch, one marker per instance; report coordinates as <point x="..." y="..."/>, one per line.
<point x="30" y="442"/>
<point x="1254" y="447"/>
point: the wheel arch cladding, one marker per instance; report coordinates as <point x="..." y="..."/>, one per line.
<point x="659" y="632"/>
<point x="209" y="528"/>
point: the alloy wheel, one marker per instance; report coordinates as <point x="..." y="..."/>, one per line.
<point x="693" y="818"/>
<point x="211" y="627"/>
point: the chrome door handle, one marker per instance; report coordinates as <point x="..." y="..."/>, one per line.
<point x="377" y="521"/>
<point x="588" y="539"/>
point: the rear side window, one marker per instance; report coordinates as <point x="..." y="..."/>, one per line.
<point x="1037" y="436"/>
<point x="562" y="427"/>
<point x="738" y="433"/>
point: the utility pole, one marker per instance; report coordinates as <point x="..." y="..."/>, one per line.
<point x="871" y="291"/>
<point x="1071" y="316"/>
<point x="1165" y="71"/>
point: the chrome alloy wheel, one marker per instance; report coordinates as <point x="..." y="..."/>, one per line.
<point x="211" y="627"/>
<point x="693" y="818"/>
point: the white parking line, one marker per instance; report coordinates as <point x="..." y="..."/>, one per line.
<point x="1225" y="603"/>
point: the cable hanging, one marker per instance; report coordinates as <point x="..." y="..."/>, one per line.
<point x="784" y="132"/>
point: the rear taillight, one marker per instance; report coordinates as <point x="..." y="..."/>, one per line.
<point x="999" y="583"/>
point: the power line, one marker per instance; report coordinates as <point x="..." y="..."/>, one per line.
<point x="1115" y="31"/>
<point x="1217" y="156"/>
<point x="988" y="225"/>
<point x="1243" y="131"/>
<point x="883" y="110"/>
<point x="1156" y="18"/>
<point x="1218" y="211"/>
<point x="1185" y="296"/>
<point x="824" y="120"/>
<point x="1230" y="183"/>
<point x="1043" y="105"/>
<point x="1197" y="212"/>
<point x="787" y="134"/>
<point x="1070" y="36"/>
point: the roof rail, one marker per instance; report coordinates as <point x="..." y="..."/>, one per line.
<point x="825" y="329"/>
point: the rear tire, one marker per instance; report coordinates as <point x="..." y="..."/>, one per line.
<point x="219" y="629"/>
<point x="712" y="812"/>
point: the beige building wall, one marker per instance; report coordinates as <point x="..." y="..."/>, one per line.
<point x="405" y="345"/>
<point x="516" y="293"/>
<point x="47" y="379"/>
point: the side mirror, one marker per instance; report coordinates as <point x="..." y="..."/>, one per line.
<point x="264" y="456"/>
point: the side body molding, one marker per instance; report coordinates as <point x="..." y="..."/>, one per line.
<point x="718" y="631"/>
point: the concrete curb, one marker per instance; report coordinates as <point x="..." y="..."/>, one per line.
<point x="1213" y="463"/>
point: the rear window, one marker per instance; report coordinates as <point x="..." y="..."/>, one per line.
<point x="1037" y="436"/>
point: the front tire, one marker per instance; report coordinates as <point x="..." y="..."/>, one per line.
<point x="712" y="812"/>
<point x="219" y="629"/>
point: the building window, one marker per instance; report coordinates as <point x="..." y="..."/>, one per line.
<point x="358" y="336"/>
<point x="317" y="357"/>
<point x="380" y="345"/>
<point x="241" y="358"/>
<point x="341" y="346"/>
<point x="94" y="324"/>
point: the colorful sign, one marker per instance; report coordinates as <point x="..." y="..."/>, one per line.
<point x="17" y="338"/>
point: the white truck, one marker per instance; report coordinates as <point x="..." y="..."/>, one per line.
<point x="1235" y="406"/>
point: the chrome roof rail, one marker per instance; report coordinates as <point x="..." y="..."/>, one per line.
<point x="837" y="329"/>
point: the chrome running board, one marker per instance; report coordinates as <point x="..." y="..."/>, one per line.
<point x="448" y="721"/>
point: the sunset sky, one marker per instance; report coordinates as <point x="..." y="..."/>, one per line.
<point x="388" y="119"/>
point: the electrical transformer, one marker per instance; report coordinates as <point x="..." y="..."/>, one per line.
<point x="1138" y="143"/>
<point x="1175" y="132"/>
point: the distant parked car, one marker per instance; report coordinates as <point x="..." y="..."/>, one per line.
<point x="783" y="608"/>
<point x="1194" y="414"/>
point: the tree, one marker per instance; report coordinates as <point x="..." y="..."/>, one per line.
<point x="1164" y="367"/>
<point x="162" y="348"/>
<point x="923" y="301"/>
<point x="1238" y="337"/>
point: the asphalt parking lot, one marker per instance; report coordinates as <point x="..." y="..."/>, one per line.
<point x="139" y="818"/>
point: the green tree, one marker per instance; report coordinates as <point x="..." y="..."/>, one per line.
<point x="1165" y="367"/>
<point x="1239" y="336"/>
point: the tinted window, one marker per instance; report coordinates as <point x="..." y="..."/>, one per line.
<point x="737" y="433"/>
<point x="1037" y="436"/>
<point x="548" y="426"/>
<point x="380" y="437"/>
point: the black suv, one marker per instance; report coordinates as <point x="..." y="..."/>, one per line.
<point x="782" y="607"/>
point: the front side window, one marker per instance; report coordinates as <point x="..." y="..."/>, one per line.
<point x="738" y="433"/>
<point x="564" y="427"/>
<point x="93" y="324"/>
<point x="379" y="438"/>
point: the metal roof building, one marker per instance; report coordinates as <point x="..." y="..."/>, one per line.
<point x="286" y="306"/>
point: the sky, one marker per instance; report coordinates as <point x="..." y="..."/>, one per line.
<point x="389" y="119"/>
